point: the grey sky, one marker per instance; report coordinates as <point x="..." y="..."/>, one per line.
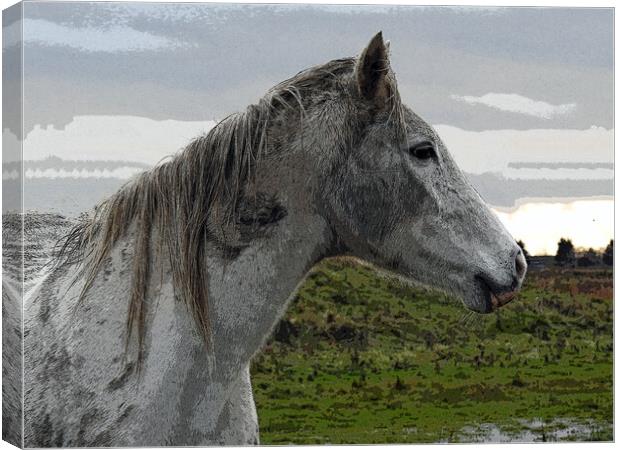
<point x="200" y="61"/>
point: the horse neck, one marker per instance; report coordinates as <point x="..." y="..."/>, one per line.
<point x="250" y="294"/>
<point x="247" y="296"/>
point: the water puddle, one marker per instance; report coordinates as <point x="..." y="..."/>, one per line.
<point x="535" y="431"/>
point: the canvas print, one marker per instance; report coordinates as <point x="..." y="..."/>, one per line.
<point x="243" y="224"/>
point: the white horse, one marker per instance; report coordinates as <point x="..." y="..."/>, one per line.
<point x="143" y="333"/>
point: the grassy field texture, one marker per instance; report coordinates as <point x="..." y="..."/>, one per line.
<point x="360" y="358"/>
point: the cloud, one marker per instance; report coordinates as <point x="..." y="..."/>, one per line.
<point x="132" y="138"/>
<point x="127" y="138"/>
<point x="110" y="39"/>
<point x="516" y="103"/>
<point x="558" y="174"/>
<point x="123" y="172"/>
<point x="492" y="150"/>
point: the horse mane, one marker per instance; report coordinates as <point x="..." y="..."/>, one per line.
<point x="178" y="196"/>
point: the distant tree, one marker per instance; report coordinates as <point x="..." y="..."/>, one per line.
<point x="521" y="244"/>
<point x="589" y="258"/>
<point x="608" y="254"/>
<point x="565" y="255"/>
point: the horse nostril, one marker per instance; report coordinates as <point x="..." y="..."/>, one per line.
<point x="520" y="265"/>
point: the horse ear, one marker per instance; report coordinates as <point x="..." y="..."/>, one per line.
<point x="372" y="68"/>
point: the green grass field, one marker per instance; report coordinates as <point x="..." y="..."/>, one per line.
<point x="361" y="358"/>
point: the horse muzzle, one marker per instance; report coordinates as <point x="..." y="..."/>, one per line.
<point x="496" y="294"/>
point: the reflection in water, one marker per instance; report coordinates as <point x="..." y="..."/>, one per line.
<point x="588" y="223"/>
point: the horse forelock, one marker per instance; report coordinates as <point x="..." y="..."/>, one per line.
<point x="178" y="196"/>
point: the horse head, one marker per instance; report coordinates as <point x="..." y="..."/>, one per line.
<point x="394" y="196"/>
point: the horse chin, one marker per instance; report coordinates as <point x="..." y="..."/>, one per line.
<point x="479" y="297"/>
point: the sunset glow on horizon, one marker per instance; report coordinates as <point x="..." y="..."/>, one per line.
<point x="540" y="225"/>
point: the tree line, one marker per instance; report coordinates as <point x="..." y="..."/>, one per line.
<point x="567" y="255"/>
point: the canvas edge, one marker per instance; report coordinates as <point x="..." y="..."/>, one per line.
<point x="13" y="226"/>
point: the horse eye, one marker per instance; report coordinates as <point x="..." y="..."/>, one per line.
<point x="424" y="150"/>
